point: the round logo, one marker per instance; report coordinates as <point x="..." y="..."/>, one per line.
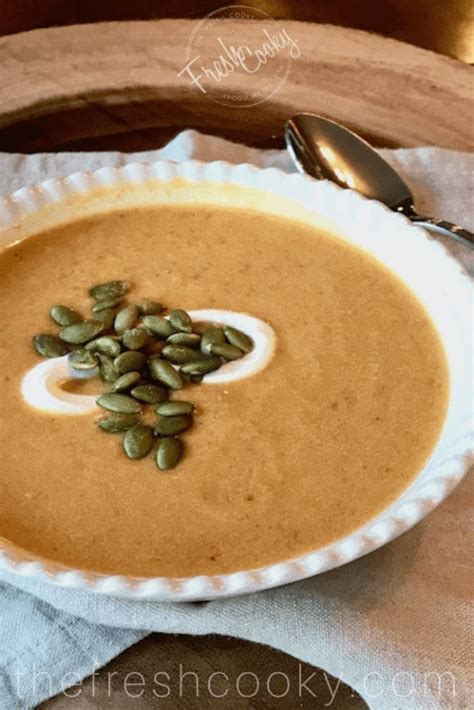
<point x="239" y="69"/>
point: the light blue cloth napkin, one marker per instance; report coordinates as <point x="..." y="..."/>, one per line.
<point x="395" y="625"/>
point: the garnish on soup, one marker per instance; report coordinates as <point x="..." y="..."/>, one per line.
<point x="143" y="358"/>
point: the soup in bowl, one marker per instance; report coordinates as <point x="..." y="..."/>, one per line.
<point x="217" y="379"/>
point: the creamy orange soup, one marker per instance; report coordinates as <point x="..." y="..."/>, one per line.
<point x="321" y="440"/>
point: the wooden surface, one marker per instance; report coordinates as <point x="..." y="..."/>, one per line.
<point x="177" y="655"/>
<point x="444" y="26"/>
<point x="65" y="87"/>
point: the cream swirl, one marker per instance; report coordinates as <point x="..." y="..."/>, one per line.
<point x="41" y="386"/>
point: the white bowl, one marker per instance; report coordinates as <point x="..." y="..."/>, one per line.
<point x="423" y="264"/>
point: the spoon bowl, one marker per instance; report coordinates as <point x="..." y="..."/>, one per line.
<point x="328" y="151"/>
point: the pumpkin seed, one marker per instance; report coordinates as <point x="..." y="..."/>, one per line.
<point x="175" y="408"/>
<point x="105" y="345"/>
<point x="114" y="423"/>
<point x="149" y="308"/>
<point x="106" y="304"/>
<point x="125" y="318"/>
<point x="179" y="353"/>
<point x="107" y="370"/>
<point x="156" y="325"/>
<point x="227" y="351"/>
<point x="193" y="379"/>
<point x="121" y="403"/>
<point x="180" y="320"/>
<point x="110" y="289"/>
<point x="82" y="359"/>
<point x="150" y="393"/>
<point x="191" y="340"/>
<point x="211" y="336"/>
<point x="165" y="373"/>
<point x="169" y="426"/>
<point x="195" y="353"/>
<point x="125" y="381"/>
<point x="130" y="360"/>
<point x="80" y="333"/>
<point x="239" y="339"/>
<point x="49" y="345"/>
<point x="106" y="318"/>
<point x="201" y="367"/>
<point x="168" y="453"/>
<point x="135" y="338"/>
<point x="62" y="315"/>
<point x="138" y="441"/>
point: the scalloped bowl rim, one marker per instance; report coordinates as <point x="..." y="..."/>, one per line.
<point x="453" y="453"/>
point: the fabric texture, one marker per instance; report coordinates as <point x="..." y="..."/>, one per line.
<point x="396" y="625"/>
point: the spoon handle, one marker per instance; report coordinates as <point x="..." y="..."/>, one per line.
<point x="447" y="229"/>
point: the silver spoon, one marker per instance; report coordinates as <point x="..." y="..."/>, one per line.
<point x="326" y="150"/>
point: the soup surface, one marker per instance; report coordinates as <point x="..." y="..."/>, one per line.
<point x="276" y="465"/>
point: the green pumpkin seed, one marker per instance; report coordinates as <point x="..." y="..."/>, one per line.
<point x="135" y="338"/>
<point x="211" y="336"/>
<point x="156" y="325"/>
<point x="106" y="318"/>
<point x="149" y="308"/>
<point x="191" y="340"/>
<point x="179" y="353"/>
<point x="62" y="315"/>
<point x="49" y="345"/>
<point x="125" y="381"/>
<point x="106" y="304"/>
<point x="105" y="345"/>
<point x="111" y="289"/>
<point x="238" y="339"/>
<point x="138" y="441"/>
<point x="121" y="403"/>
<point x="80" y="333"/>
<point x="114" y="423"/>
<point x="174" y="408"/>
<point x="180" y="320"/>
<point x="168" y="453"/>
<point x="201" y="367"/>
<point x="227" y="351"/>
<point x="107" y="370"/>
<point x="130" y="360"/>
<point x="165" y="373"/>
<point x="169" y="426"/>
<point x="82" y="359"/>
<point x="152" y="394"/>
<point x="196" y="354"/>
<point x="125" y="318"/>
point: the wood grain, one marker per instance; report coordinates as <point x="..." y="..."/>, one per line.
<point x="213" y="665"/>
<point x="445" y="27"/>
<point x="62" y="85"/>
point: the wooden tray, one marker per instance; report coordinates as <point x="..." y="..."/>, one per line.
<point x="116" y="85"/>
